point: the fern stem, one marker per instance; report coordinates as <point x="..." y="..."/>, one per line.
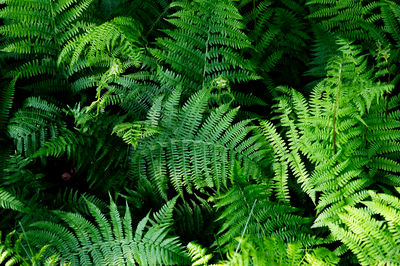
<point x="29" y="246"/>
<point x="247" y="222"/>
<point x="387" y="94"/>
<point x="205" y="58"/>
<point x="336" y="107"/>
<point x="155" y="22"/>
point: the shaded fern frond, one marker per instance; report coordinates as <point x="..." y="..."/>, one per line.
<point x="119" y="36"/>
<point x="195" y="150"/>
<point x="9" y="201"/>
<point x="349" y="19"/>
<point x="279" y="36"/>
<point x="35" y="33"/>
<point x="13" y="252"/>
<point x="203" y="46"/>
<point x="34" y="124"/>
<point x="247" y="208"/>
<point x="110" y="240"/>
<point x="88" y="145"/>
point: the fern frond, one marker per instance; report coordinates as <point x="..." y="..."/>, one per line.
<point x="104" y="40"/>
<point x="343" y="133"/>
<point x="109" y="241"/>
<point x="198" y="253"/>
<point x="203" y="46"/>
<point x="372" y="240"/>
<point x="36" y="32"/>
<point x="33" y="125"/>
<point x="9" y="201"/>
<point x="196" y="150"/>
<point x="273" y="251"/>
<point x="13" y="252"/>
<point x="251" y="202"/>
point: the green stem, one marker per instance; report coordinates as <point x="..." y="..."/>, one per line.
<point x="247" y="222"/>
<point x="205" y="58"/>
<point x="336" y="107"/>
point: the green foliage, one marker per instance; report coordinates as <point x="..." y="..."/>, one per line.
<point x="118" y="37"/>
<point x="351" y="144"/>
<point x="198" y="254"/>
<point x="196" y="52"/>
<point x="192" y="101"/>
<point x="86" y="145"/>
<point x="193" y="149"/>
<point x="34" y="124"/>
<point x="12" y="252"/>
<point x="353" y="20"/>
<point x="34" y="34"/>
<point x="9" y="201"/>
<point x="373" y="240"/>
<point x="279" y="36"/>
<point x="272" y="251"/>
<point x="109" y="241"/>
<point x="247" y="208"/>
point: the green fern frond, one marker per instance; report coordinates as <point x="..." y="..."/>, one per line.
<point x="354" y="21"/>
<point x="194" y="150"/>
<point x="9" y="201"/>
<point x="279" y="35"/>
<point x="34" y="124"/>
<point x="198" y="253"/>
<point x="203" y="46"/>
<point x="249" y="207"/>
<point x="373" y="240"/>
<point x="13" y="252"/>
<point x="345" y="134"/>
<point x="36" y="32"/>
<point x="120" y="34"/>
<point x="273" y="251"/>
<point x="109" y="241"/>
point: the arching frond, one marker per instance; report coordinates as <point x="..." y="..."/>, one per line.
<point x="109" y="240"/>
<point x="203" y="46"/>
<point x="192" y="149"/>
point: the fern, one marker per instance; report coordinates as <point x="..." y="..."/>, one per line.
<point x="151" y="14"/>
<point x="192" y="221"/>
<point x="110" y="241"/>
<point x="6" y="101"/>
<point x="272" y="251"/>
<point x="203" y="46"/>
<point x="247" y="208"/>
<point x="352" y="20"/>
<point x="192" y="149"/>
<point x="198" y="254"/>
<point x="36" y="32"/>
<point x="9" y="201"/>
<point x="12" y="252"/>
<point x="86" y="146"/>
<point x="118" y="37"/>
<point x="279" y="35"/>
<point x="348" y="141"/>
<point x="373" y="240"/>
<point x="37" y="122"/>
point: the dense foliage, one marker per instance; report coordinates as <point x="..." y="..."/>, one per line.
<point x="196" y="132"/>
